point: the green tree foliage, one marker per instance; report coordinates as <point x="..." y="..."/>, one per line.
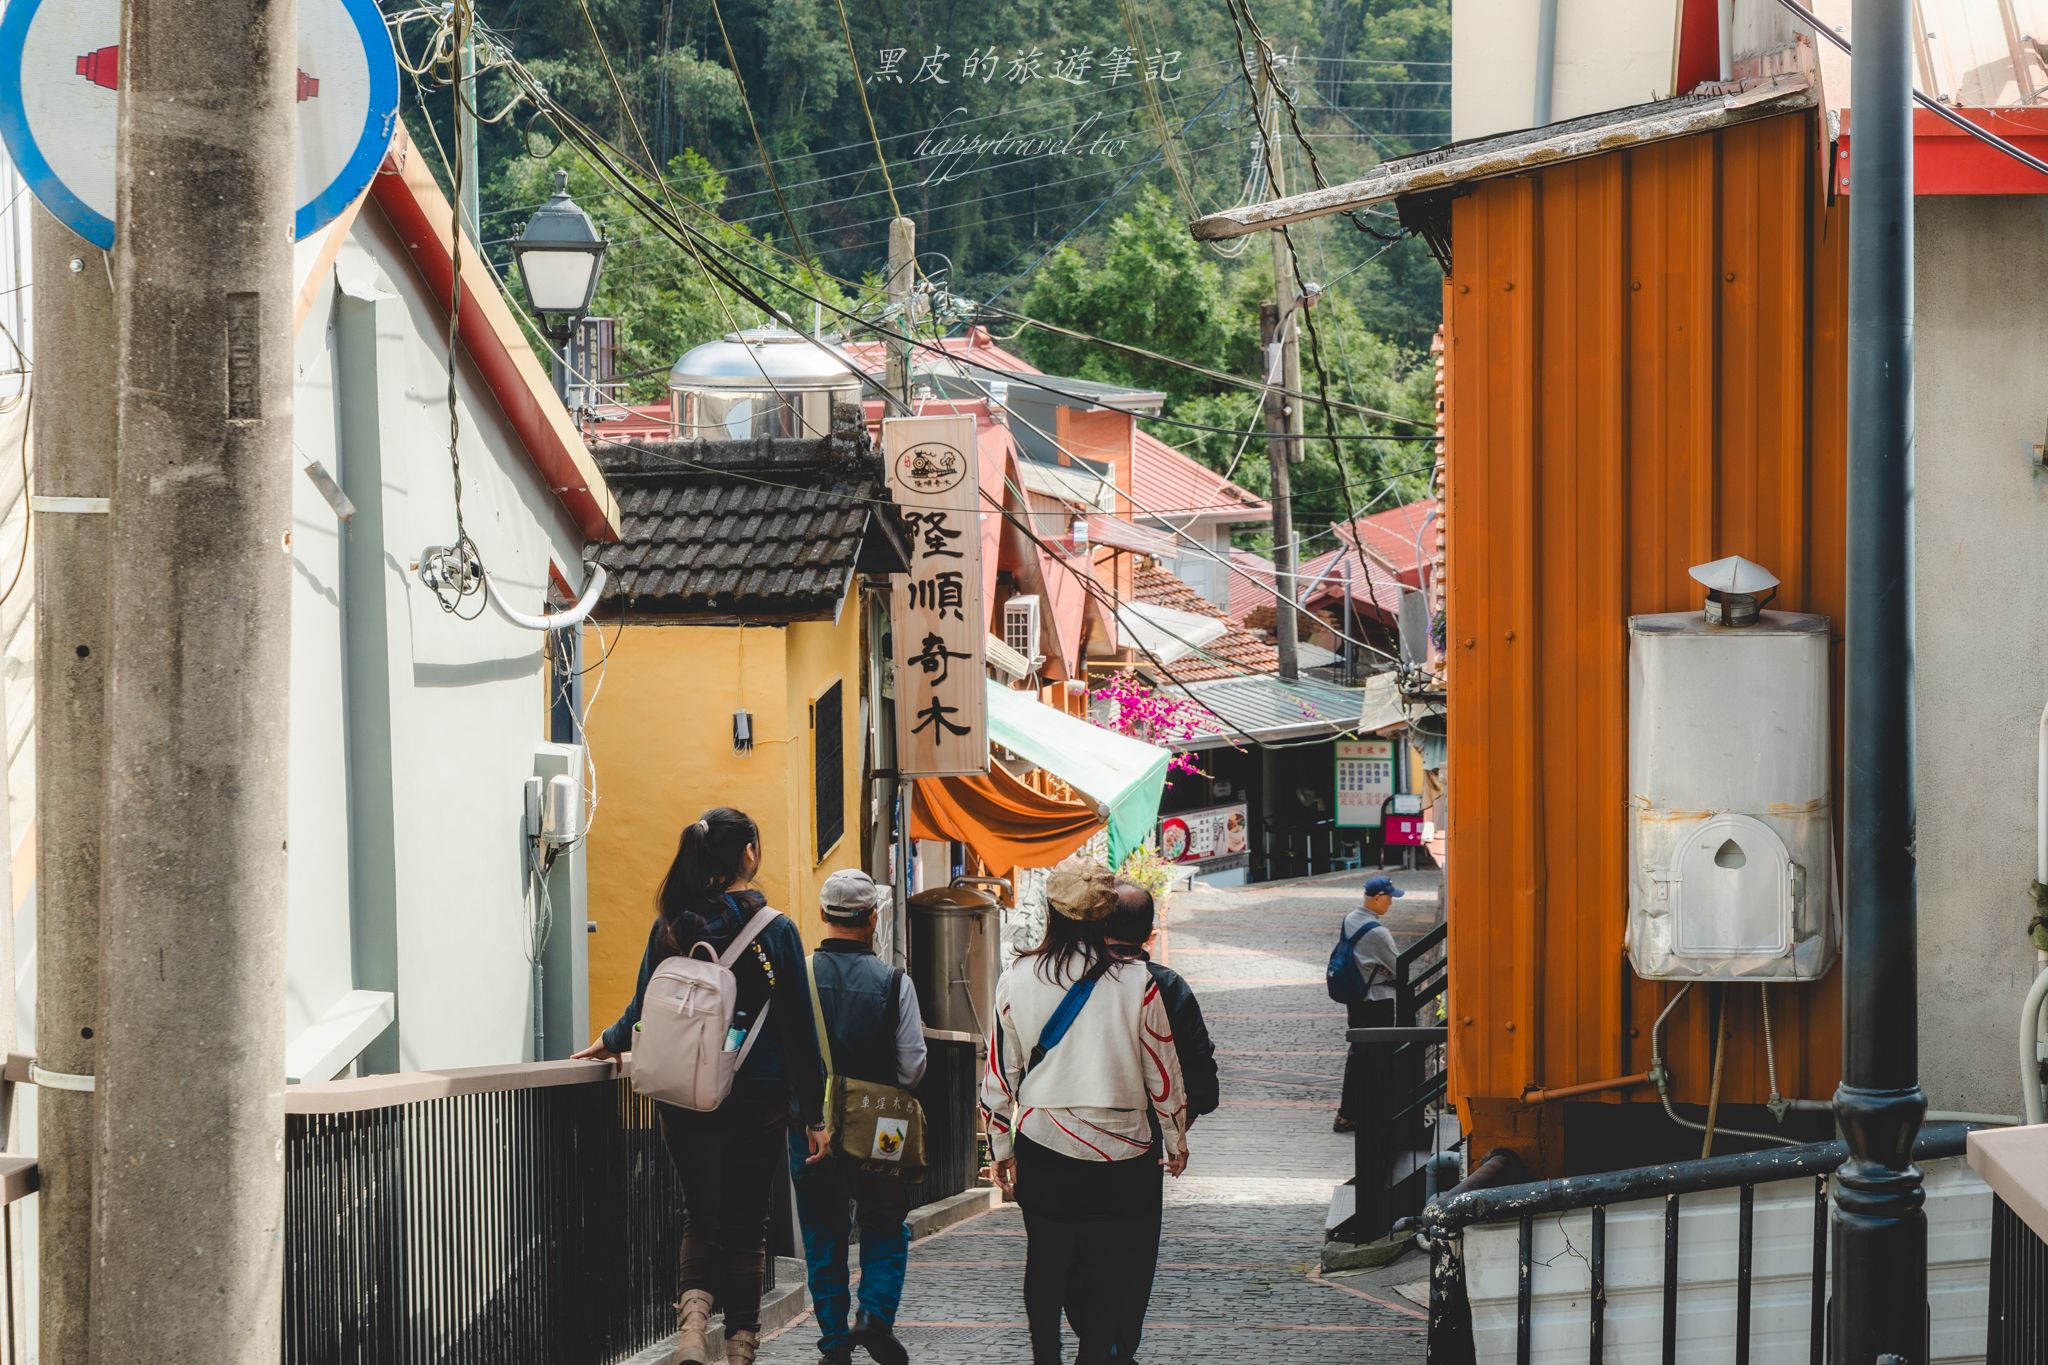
<point x="1148" y="284"/>
<point x="1079" y="217"/>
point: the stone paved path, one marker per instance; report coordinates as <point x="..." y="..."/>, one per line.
<point x="1243" y="1227"/>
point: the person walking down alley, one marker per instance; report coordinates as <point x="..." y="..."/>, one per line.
<point x="1128" y="931"/>
<point x="1369" y="1002"/>
<point x="871" y="1030"/>
<point x="1081" y="1067"/>
<point x="728" y="1158"/>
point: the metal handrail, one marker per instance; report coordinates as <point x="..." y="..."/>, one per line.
<point x="1536" y="1198"/>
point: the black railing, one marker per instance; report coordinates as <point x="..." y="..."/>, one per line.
<point x="493" y="1227"/>
<point x="1400" y="1145"/>
<point x="1444" y="1221"/>
<point x="2018" y="1327"/>
<point x="951" y="1151"/>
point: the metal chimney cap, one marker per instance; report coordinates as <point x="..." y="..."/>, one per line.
<point x="1734" y="575"/>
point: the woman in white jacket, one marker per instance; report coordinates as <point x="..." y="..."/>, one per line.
<point x="1081" y="1131"/>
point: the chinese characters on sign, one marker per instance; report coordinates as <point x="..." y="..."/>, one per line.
<point x="1020" y="66"/>
<point x="1365" y="779"/>
<point x="937" y="616"/>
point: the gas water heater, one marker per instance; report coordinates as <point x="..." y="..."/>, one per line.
<point x="1731" y="859"/>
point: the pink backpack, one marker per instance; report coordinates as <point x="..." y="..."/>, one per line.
<point x="681" y="1054"/>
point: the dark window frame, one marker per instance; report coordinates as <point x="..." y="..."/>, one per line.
<point x="828" y="768"/>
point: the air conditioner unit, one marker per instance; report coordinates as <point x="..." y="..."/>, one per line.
<point x="1020" y="625"/>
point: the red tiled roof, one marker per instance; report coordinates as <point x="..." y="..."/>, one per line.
<point x="977" y="346"/>
<point x="1168" y="483"/>
<point x="1251" y="584"/>
<point x="1374" y="589"/>
<point x="1235" y="653"/>
<point x="1389" y="536"/>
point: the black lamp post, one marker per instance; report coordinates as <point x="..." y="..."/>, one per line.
<point x="1880" y="1308"/>
<point x="560" y="255"/>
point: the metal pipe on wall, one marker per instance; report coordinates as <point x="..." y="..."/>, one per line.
<point x="1880" y="1225"/>
<point x="1546" y="61"/>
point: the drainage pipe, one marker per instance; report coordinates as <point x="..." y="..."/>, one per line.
<point x="1546" y="61"/>
<point x="2030" y="1013"/>
<point x="1727" y="21"/>
<point x="1565" y="1092"/>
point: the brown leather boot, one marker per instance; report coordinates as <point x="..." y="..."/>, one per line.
<point x="742" y="1347"/>
<point x="693" y="1321"/>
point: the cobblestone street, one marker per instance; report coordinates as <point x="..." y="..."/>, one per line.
<point x="1238" y="1258"/>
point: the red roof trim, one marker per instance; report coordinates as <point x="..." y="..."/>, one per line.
<point x="405" y="191"/>
<point x="1948" y="160"/>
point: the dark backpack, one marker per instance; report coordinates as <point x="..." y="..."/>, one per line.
<point x="1345" y="983"/>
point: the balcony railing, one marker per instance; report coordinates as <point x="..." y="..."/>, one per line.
<point x="1401" y="1142"/>
<point x="1447" y="1220"/>
<point x="18" y="1180"/>
<point x="503" y="1215"/>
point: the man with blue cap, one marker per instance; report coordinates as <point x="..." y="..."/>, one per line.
<point x="1376" y="956"/>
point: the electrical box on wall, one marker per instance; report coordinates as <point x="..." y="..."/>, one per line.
<point x="1731" y="858"/>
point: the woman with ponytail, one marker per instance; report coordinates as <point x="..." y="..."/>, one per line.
<point x="728" y="1160"/>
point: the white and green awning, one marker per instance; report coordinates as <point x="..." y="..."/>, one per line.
<point x="1124" y="776"/>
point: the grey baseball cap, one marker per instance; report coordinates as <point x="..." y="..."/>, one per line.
<point x="848" y="894"/>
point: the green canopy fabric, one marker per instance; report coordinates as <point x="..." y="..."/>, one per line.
<point x="1124" y="776"/>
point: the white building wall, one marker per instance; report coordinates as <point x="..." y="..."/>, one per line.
<point x="1610" y="54"/>
<point x="467" y="698"/>
<point x="1981" y="582"/>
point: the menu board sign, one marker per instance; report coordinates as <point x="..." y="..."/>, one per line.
<point x="1208" y="836"/>
<point x="1365" y="779"/>
<point x="937" y="618"/>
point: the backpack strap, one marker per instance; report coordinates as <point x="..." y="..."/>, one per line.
<point x="763" y="917"/>
<point x="1371" y="923"/>
<point x="818" y="1018"/>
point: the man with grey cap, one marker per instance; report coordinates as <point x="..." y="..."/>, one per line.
<point x="868" y="1011"/>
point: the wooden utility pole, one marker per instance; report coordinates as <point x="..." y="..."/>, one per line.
<point x="1283" y="415"/>
<point x="74" y="472"/>
<point x="188" y="1236"/>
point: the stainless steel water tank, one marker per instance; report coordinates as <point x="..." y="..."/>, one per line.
<point x="953" y="938"/>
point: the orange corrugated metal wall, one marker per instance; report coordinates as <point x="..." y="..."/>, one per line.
<point x="1645" y="372"/>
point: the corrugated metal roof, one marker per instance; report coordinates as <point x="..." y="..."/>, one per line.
<point x="1524" y="150"/>
<point x="1263" y="706"/>
<point x="1171" y="485"/>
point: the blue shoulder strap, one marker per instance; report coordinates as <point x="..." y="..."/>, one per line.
<point x="1064" y="1013"/>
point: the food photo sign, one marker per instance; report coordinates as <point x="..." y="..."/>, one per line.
<point x="1211" y="839"/>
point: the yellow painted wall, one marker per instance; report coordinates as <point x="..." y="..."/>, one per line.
<point x="660" y="734"/>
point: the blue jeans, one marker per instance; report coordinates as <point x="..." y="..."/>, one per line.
<point x="824" y="1194"/>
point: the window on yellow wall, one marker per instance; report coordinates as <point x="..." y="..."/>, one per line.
<point x="828" y="768"/>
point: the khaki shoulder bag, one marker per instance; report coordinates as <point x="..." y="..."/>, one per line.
<point x="875" y="1127"/>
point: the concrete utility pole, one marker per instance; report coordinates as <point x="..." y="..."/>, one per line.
<point x="74" y="445"/>
<point x="902" y="292"/>
<point x="1880" y="1223"/>
<point x="887" y="837"/>
<point x="188" y="1243"/>
<point x="1283" y="414"/>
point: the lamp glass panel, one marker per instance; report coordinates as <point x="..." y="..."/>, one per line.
<point x="558" y="281"/>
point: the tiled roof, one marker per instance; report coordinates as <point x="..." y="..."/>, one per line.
<point x="1235" y="653"/>
<point x="756" y="529"/>
<point x="1168" y="483"/>
<point x="1389" y="536"/>
<point x="1252" y="578"/>
<point x="1374" y="589"/>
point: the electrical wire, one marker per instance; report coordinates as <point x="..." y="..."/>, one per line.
<point x="1926" y="102"/>
<point x="860" y="87"/>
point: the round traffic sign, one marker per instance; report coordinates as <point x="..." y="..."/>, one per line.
<point x="60" y="69"/>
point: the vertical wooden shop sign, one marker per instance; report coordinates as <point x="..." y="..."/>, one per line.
<point x="939" y="621"/>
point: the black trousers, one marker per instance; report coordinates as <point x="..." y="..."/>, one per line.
<point x="727" y="1162"/>
<point x="1365" y="1067"/>
<point x="1091" y="1246"/>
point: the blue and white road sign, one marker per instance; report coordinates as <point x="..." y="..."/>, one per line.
<point x="60" y="71"/>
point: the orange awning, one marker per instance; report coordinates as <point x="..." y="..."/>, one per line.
<point x="1007" y="824"/>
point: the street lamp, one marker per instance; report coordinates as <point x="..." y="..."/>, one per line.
<point x="560" y="255"/>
